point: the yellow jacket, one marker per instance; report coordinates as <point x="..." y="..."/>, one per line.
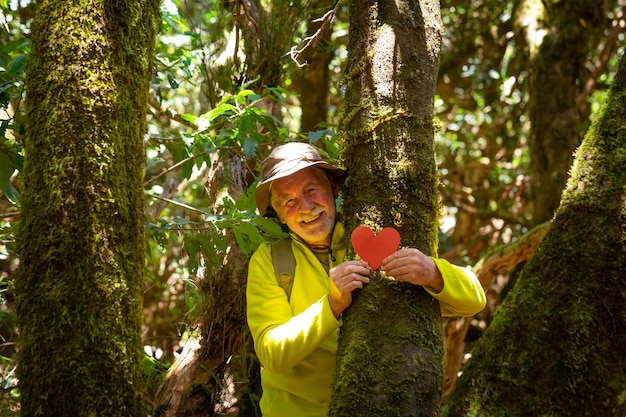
<point x="296" y="338"/>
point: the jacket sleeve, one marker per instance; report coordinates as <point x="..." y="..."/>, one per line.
<point x="282" y="339"/>
<point x="462" y="294"/>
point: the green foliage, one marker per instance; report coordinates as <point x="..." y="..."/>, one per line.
<point x="9" y="393"/>
<point x="234" y="125"/>
<point x="231" y="128"/>
<point x="153" y="372"/>
<point x="12" y="59"/>
<point x="14" y="48"/>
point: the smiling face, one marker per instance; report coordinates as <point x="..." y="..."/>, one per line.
<point x="305" y="202"/>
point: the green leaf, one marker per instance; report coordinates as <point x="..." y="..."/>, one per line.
<point x="249" y="147"/>
<point x="192" y="246"/>
<point x="17" y="65"/>
<point x="220" y="242"/>
<point x="6" y="170"/>
<point x="160" y="234"/>
<point x="245" y="201"/>
<point x="279" y="93"/>
<point x="250" y="236"/>
<point x="241" y="96"/>
<point x="173" y="83"/>
<point x="5" y="87"/>
<point x="212" y="248"/>
<point x="221" y="109"/>
<point x="319" y="134"/>
<point x="12" y="194"/>
<point x="242" y="242"/>
<point x="271" y="228"/>
<point x="189" y="117"/>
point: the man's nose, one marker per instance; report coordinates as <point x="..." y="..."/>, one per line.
<point x="306" y="203"/>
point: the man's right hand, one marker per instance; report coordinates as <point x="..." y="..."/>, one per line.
<point x="345" y="278"/>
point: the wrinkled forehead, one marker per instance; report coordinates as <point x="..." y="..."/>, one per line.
<point x="297" y="181"/>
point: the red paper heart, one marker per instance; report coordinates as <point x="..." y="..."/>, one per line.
<point x="372" y="248"/>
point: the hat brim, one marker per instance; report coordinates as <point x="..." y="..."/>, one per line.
<point x="262" y="192"/>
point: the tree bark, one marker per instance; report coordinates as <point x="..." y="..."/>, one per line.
<point x="390" y="350"/>
<point x="81" y="242"/>
<point x="556" y="345"/>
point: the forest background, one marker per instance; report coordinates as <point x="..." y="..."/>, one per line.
<point x="510" y="115"/>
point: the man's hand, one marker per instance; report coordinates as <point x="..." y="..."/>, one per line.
<point x="413" y="266"/>
<point x="345" y="278"/>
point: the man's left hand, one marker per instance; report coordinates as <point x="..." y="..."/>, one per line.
<point x="411" y="265"/>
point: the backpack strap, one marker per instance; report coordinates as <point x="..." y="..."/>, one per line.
<point x="284" y="264"/>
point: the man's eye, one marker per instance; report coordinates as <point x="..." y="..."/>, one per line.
<point x="290" y="202"/>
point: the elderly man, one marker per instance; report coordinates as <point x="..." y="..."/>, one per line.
<point x="295" y="332"/>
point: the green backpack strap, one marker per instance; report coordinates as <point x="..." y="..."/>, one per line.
<point x="284" y="264"/>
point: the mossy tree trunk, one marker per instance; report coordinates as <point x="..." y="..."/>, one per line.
<point x="556" y="347"/>
<point x="558" y="40"/>
<point x="81" y="244"/>
<point x="390" y="350"/>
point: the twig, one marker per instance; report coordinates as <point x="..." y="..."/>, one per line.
<point x="176" y="203"/>
<point x="12" y="214"/>
<point x="171" y="114"/>
<point x="609" y="46"/>
<point x="172" y="168"/>
<point x="313" y="40"/>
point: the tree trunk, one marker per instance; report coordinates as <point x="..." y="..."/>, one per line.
<point x="558" y="42"/>
<point x="198" y="382"/>
<point x="81" y="244"/>
<point x="312" y="80"/>
<point x="556" y="347"/>
<point x="390" y="349"/>
<point x="267" y="33"/>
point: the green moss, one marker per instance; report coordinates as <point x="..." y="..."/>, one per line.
<point x="78" y="289"/>
<point x="408" y="364"/>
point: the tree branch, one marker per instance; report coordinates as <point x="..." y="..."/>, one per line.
<point x="498" y="261"/>
<point x="176" y="203"/>
<point x="173" y="167"/>
<point x="172" y="115"/>
<point x="313" y="40"/>
<point x="503" y="258"/>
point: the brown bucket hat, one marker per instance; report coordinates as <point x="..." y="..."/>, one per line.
<point x="286" y="160"/>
